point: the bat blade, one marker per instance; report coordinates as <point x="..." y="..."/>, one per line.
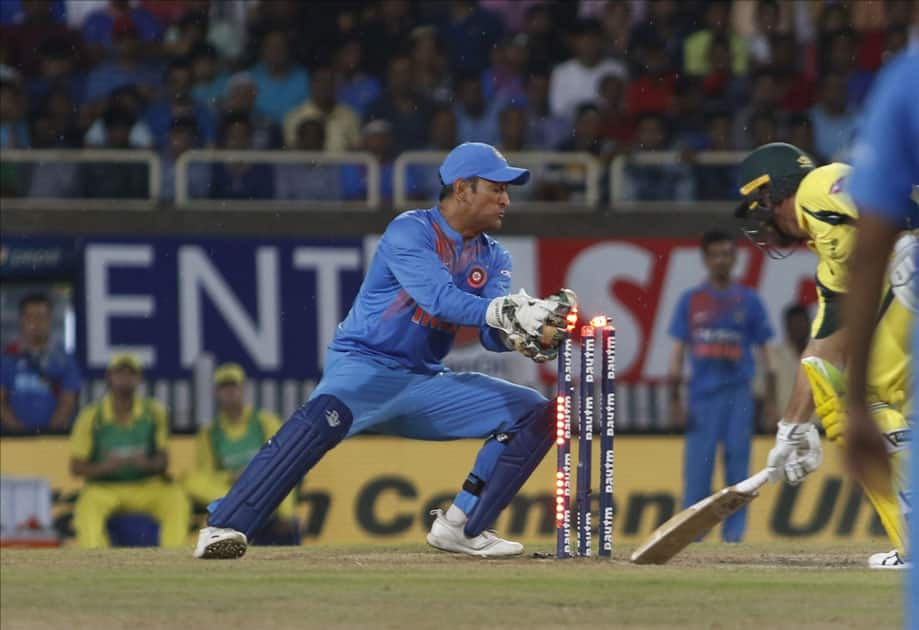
<point x="673" y="536"/>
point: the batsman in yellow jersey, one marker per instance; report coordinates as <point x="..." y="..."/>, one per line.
<point x="787" y="201"/>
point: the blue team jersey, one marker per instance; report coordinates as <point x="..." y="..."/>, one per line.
<point x="885" y="177"/>
<point x="33" y="382"/>
<point x="719" y="327"/>
<point x="424" y="282"/>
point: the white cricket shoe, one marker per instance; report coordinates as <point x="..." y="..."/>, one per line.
<point x="448" y="536"/>
<point x="217" y="542"/>
<point x="888" y="560"/>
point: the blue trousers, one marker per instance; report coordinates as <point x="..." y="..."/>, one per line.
<point x="724" y="417"/>
<point x="444" y="406"/>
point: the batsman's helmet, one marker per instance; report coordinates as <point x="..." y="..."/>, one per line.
<point x="768" y="176"/>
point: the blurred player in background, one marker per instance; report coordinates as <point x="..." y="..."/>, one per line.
<point x="885" y="186"/>
<point x="434" y="270"/>
<point x="119" y="446"/>
<point x="788" y="201"/>
<point x="39" y="381"/>
<point x="223" y="449"/>
<point x="718" y="322"/>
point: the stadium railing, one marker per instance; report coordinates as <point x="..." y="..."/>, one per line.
<point x="576" y="175"/>
<point x="621" y="201"/>
<point x="63" y="157"/>
<point x="308" y="159"/>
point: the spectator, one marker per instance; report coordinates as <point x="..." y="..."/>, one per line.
<point x="310" y="182"/>
<point x="378" y="140"/>
<point x="765" y="95"/>
<point x="512" y="129"/>
<point x="504" y="79"/>
<point x="659" y="27"/>
<point x="56" y="70"/>
<point x="834" y="124"/>
<point x="119" y="445"/>
<point x="840" y="59"/>
<point x="281" y="84"/>
<point x="688" y="114"/>
<point x="617" y="24"/>
<point x="386" y="32"/>
<point x="764" y="128"/>
<point x="241" y="95"/>
<point x="63" y="125"/>
<point x="433" y="80"/>
<point x="576" y="80"/>
<point x="615" y="122"/>
<point x="188" y="34"/>
<point x="721" y="88"/>
<point x="240" y="180"/>
<point x="469" y="32"/>
<point x="177" y="102"/>
<point x="128" y="100"/>
<point x="183" y="136"/>
<point x="717" y="23"/>
<point x="800" y="133"/>
<point x="14" y="133"/>
<point x="716" y="181"/>
<point x="115" y="180"/>
<point x="545" y="131"/>
<point x="100" y="30"/>
<point x="766" y="23"/>
<point x="653" y="89"/>
<point x="546" y="46"/>
<point x="796" y="89"/>
<point x="221" y="31"/>
<point x="665" y="182"/>
<point x="40" y="380"/>
<point x="356" y="89"/>
<point x="512" y="13"/>
<point x="225" y="447"/>
<point x="720" y="323"/>
<point x="423" y="180"/>
<point x="209" y="83"/>
<point x="477" y="120"/>
<point x="342" y="126"/>
<point x="408" y="113"/>
<point x="123" y="67"/>
<point x="26" y="41"/>
<point x="587" y="136"/>
<point x="54" y="127"/>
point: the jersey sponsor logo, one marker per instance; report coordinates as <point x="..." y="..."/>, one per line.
<point x="477" y="277"/>
<point x="423" y="318"/>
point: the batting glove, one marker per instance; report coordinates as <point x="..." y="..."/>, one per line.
<point x="798" y="440"/>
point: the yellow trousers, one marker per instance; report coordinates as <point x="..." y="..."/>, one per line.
<point x="204" y="486"/>
<point x="164" y="501"/>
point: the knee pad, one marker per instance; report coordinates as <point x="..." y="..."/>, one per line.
<point x="281" y="464"/>
<point x="523" y="451"/>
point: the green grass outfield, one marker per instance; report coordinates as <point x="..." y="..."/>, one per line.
<point x="708" y="586"/>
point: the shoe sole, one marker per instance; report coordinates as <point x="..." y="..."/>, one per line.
<point x="896" y="567"/>
<point x="224" y="550"/>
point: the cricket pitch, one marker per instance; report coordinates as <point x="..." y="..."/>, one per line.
<point x="709" y="585"/>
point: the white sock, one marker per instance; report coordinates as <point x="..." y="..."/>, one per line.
<point x="455" y="515"/>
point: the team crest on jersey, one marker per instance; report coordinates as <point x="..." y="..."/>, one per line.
<point x="477" y="277"/>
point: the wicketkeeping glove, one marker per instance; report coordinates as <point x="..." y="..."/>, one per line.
<point x="522" y="314"/>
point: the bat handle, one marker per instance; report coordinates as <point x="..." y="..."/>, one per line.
<point x="754" y="483"/>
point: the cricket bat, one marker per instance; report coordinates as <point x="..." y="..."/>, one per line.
<point x="673" y="536"/>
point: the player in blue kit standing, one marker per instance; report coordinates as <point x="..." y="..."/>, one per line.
<point x="434" y="270"/>
<point x="885" y="187"/>
<point x="719" y="322"/>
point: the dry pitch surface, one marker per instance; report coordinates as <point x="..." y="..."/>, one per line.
<point x="708" y="586"/>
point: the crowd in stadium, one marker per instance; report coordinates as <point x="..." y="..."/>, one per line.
<point x="604" y="77"/>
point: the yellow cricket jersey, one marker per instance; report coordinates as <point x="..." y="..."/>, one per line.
<point x="229" y="446"/>
<point x="96" y="435"/>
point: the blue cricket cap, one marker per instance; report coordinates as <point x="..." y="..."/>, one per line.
<point x="477" y="159"/>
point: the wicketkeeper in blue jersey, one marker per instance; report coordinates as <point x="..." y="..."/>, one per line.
<point x="434" y="270"/>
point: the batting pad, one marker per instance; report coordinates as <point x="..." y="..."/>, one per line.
<point x="281" y="463"/>
<point x="520" y="457"/>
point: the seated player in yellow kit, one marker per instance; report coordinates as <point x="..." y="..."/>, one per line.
<point x="223" y="449"/>
<point x="119" y="445"/>
<point x="788" y="201"/>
